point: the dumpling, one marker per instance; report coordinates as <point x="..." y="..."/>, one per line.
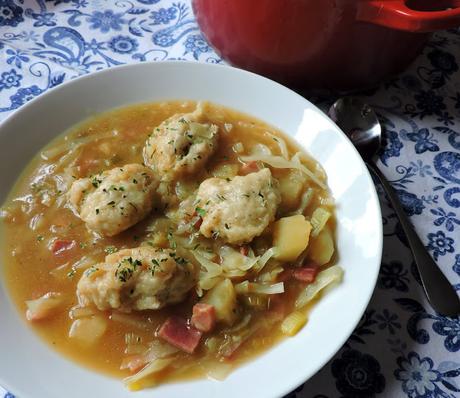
<point x="136" y="279"/>
<point x="114" y="200"/>
<point x="181" y="145"/>
<point x="238" y="210"/>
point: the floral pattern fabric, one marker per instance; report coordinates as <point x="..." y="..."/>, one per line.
<point x="401" y="347"/>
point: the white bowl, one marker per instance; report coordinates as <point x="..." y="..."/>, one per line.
<point x="30" y="368"/>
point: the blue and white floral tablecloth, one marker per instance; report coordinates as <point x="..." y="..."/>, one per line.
<point x="401" y="347"/>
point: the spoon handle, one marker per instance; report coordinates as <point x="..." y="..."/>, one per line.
<point x="440" y="292"/>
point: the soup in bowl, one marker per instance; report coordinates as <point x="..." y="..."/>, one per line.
<point x="177" y="239"/>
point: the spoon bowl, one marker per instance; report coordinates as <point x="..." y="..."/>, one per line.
<point x="359" y="121"/>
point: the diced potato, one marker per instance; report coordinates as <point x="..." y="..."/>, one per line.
<point x="291" y="187"/>
<point x="223" y="298"/>
<point x="87" y="331"/>
<point x="44" y="306"/>
<point x="293" y="323"/>
<point x="225" y="171"/>
<point x="318" y="220"/>
<point x="321" y="247"/>
<point x="290" y="237"/>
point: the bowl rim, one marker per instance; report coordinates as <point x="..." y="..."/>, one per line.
<point x="17" y="113"/>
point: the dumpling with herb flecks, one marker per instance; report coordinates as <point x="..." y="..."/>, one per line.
<point x="240" y="209"/>
<point x="136" y="279"/>
<point x="181" y="145"/>
<point x="114" y="200"/>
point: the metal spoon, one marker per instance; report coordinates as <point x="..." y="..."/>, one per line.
<point x="359" y="122"/>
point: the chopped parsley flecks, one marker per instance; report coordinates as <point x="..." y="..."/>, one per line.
<point x="96" y="182"/>
<point x="126" y="268"/>
<point x="172" y="242"/>
<point x="110" y="249"/>
<point x="201" y="212"/>
<point x="155" y="265"/>
<point x="177" y="259"/>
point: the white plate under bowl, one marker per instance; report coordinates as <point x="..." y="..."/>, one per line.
<point x="31" y="369"/>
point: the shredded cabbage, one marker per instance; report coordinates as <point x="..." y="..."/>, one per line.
<point x="210" y="276"/>
<point x="233" y="260"/>
<point x="318" y="220"/>
<point x="158" y="349"/>
<point x="281" y="163"/>
<point x="133" y="382"/>
<point x="304" y="201"/>
<point x="212" y="269"/>
<point x="264" y="259"/>
<point x="281" y="144"/>
<point x="234" y="274"/>
<point x="270" y="276"/>
<point x="258" y="288"/>
<point x="325" y="278"/>
<point x="261" y="150"/>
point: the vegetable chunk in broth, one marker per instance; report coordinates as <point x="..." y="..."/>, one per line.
<point x="169" y="240"/>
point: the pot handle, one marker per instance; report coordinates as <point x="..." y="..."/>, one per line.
<point x="411" y="15"/>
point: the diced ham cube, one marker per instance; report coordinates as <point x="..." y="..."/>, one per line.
<point x="248" y="168"/>
<point x="204" y="317"/>
<point x="306" y="274"/>
<point x="60" y="246"/>
<point x="176" y="332"/>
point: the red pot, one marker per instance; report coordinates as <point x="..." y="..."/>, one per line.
<point x="335" y="44"/>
